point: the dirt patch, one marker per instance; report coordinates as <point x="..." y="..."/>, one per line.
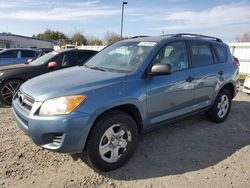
<point x="191" y="153"/>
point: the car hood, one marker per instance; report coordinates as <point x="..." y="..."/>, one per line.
<point x="70" y="81"/>
<point x="18" y="66"/>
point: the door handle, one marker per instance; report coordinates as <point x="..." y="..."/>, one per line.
<point x="189" y="79"/>
<point x="220" y="72"/>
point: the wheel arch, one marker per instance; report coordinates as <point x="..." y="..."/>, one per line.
<point x="129" y="109"/>
<point x="230" y="87"/>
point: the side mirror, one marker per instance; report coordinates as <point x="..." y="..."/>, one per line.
<point x="161" y="69"/>
<point x="52" y="64"/>
<point x="29" y="61"/>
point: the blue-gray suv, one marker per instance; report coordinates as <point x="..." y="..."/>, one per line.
<point x="99" y="109"/>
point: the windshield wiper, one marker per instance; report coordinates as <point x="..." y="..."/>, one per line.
<point x="99" y="68"/>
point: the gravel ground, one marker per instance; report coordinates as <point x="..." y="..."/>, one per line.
<point x="191" y="153"/>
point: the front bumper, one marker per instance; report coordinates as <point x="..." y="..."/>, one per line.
<point x="65" y="134"/>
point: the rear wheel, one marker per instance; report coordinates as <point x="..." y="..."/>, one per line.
<point x="221" y="108"/>
<point x="111" y="142"/>
<point x="8" y="90"/>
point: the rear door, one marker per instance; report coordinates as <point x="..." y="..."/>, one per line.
<point x="206" y="72"/>
<point x="8" y="57"/>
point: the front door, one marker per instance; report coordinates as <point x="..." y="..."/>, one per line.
<point x="170" y="96"/>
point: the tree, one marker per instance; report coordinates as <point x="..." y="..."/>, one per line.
<point x="245" y="37"/>
<point x="111" y="37"/>
<point x="95" y="42"/>
<point x="55" y="36"/>
<point x="79" y="39"/>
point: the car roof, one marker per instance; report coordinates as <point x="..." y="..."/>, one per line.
<point x="10" y="49"/>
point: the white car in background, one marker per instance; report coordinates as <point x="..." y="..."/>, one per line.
<point x="246" y="86"/>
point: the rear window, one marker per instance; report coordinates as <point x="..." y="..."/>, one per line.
<point x="9" y="54"/>
<point x="201" y="54"/>
<point x="27" y="53"/>
<point x="221" y="52"/>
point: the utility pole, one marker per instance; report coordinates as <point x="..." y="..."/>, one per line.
<point x="123" y="3"/>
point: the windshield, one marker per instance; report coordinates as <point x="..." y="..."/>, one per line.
<point x="44" y="58"/>
<point x="121" y="57"/>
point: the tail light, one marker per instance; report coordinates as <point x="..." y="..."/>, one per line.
<point x="236" y="62"/>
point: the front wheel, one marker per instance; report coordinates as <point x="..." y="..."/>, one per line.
<point x="112" y="141"/>
<point x="221" y="108"/>
<point x="8" y="89"/>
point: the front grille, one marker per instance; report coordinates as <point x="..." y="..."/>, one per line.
<point x="24" y="100"/>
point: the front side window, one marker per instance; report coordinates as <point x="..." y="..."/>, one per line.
<point x="9" y="54"/>
<point x="69" y="59"/>
<point x="201" y="54"/>
<point x="121" y="57"/>
<point x="174" y="54"/>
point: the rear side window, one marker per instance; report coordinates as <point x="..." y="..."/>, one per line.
<point x="201" y="54"/>
<point x="221" y="52"/>
<point x="9" y="54"/>
<point x="27" y="53"/>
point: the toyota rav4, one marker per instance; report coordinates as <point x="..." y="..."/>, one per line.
<point x="99" y="109"/>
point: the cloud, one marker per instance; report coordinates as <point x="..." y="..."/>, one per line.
<point x="219" y="16"/>
<point x="65" y="11"/>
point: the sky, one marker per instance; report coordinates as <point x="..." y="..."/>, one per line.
<point x="226" y="19"/>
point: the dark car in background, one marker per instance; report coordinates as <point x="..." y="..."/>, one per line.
<point x="12" y="76"/>
<point x="17" y="56"/>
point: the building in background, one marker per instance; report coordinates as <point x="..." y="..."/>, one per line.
<point x="8" y="40"/>
<point x="241" y="50"/>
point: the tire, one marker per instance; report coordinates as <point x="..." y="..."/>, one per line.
<point x="8" y="90"/>
<point x="104" y="152"/>
<point x="221" y="107"/>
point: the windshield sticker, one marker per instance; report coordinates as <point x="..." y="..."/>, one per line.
<point x="147" y="44"/>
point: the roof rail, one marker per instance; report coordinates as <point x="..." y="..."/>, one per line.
<point x="138" y="37"/>
<point x="197" y="35"/>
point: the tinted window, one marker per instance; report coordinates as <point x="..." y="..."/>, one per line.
<point x="221" y="52"/>
<point x="67" y="59"/>
<point x="201" y="54"/>
<point x="85" y="55"/>
<point x="174" y="54"/>
<point x="9" y="54"/>
<point x="27" y="53"/>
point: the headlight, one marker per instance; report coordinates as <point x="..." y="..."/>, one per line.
<point x="61" y="105"/>
<point x="1" y="73"/>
